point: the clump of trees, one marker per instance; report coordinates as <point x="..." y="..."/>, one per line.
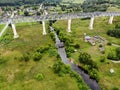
<point x="61" y="69"/>
<point x="114" y="33"/>
<point x="95" y="5"/>
<point x="89" y="65"/>
<point x="114" y="56"/>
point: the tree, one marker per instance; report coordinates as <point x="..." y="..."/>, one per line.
<point x="84" y="57"/>
<point x="26" y="13"/>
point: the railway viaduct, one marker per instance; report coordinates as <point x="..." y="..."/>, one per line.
<point x="69" y="16"/>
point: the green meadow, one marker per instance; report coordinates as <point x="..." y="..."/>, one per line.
<point x="107" y="80"/>
<point x="18" y="74"/>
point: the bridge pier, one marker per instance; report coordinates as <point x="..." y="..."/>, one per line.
<point x="14" y="30"/>
<point x="44" y="29"/>
<point x="111" y="19"/>
<point x="91" y="23"/>
<point x="69" y="25"/>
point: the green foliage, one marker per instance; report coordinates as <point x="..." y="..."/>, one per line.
<point x="94" y="5"/>
<point x="39" y="77"/>
<point x="84" y="58"/>
<point x="112" y="56"/>
<point x="114" y="33"/>
<point x="115" y="56"/>
<point x="69" y="50"/>
<point x="109" y="43"/>
<point x="115" y="88"/>
<point x="60" y="69"/>
<point x="102" y="59"/>
<point x="90" y="65"/>
<point x="118" y="52"/>
<point x="26" y="57"/>
<point x="100" y="45"/>
<point x="37" y="56"/>
<point x="77" y="46"/>
<point x="52" y="36"/>
<point x="42" y="49"/>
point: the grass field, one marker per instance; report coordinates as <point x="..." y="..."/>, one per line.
<point x="17" y="74"/>
<point x="79" y="27"/>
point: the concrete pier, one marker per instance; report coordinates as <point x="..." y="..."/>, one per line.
<point x="91" y="23"/>
<point x="44" y="29"/>
<point x="111" y="19"/>
<point x="69" y="25"/>
<point x="14" y="30"/>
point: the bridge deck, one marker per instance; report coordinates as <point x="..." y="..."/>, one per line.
<point x="19" y="19"/>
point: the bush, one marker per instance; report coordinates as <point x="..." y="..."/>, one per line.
<point x="60" y="69"/>
<point x="37" y="56"/>
<point x="100" y="45"/>
<point x="109" y="43"/>
<point x="84" y="58"/>
<point x="77" y="46"/>
<point x="52" y="36"/>
<point x="114" y="33"/>
<point x="26" y="57"/>
<point x="115" y="88"/>
<point x="118" y="52"/>
<point x="102" y="59"/>
<point x="42" y="49"/>
<point x="112" y="56"/>
<point x="103" y="52"/>
<point x="39" y="77"/>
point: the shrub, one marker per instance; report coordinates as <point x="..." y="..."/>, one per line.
<point x="103" y="52"/>
<point x="100" y="45"/>
<point x="110" y="56"/>
<point x="60" y="69"/>
<point x="102" y="59"/>
<point x="77" y="46"/>
<point x="118" y="52"/>
<point x="84" y="58"/>
<point x="109" y="43"/>
<point x="42" y="49"/>
<point x="37" y="56"/>
<point x="114" y="33"/>
<point x="39" y="77"/>
<point x="115" y="88"/>
<point x="26" y="57"/>
<point x="52" y="36"/>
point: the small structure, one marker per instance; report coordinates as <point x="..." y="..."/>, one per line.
<point x="90" y="40"/>
<point x="87" y="38"/>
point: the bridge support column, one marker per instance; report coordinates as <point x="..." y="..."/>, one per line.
<point x="14" y="30"/>
<point x="111" y="19"/>
<point x="91" y="23"/>
<point x="69" y="25"/>
<point x="44" y="29"/>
